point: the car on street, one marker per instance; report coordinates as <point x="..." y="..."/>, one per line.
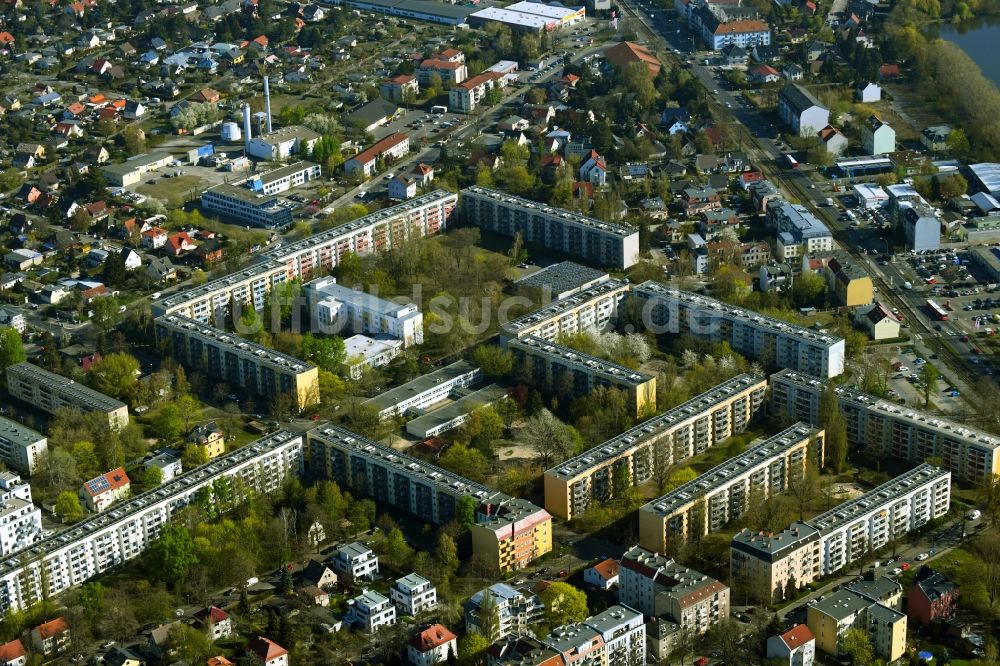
<point x="896" y="571"/>
<point x="921" y="557"/>
<point x="974" y="514"/>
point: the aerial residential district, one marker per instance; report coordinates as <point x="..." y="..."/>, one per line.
<point x="491" y="333"/>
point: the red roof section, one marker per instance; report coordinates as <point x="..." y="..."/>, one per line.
<point x="11" y="651"/>
<point x="628" y="52"/>
<point x="744" y="26"/>
<point x="797" y="636"/>
<point x="265" y="648"/>
<point x="434" y="636"/>
<point x="386" y="144"/>
<point x="607" y="569"/>
<point x="54" y="627"/>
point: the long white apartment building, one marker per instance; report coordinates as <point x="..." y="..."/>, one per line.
<point x="20" y="520"/>
<point x="667" y="439"/>
<point x="319" y="253"/>
<point x="50" y="392"/>
<point x="284" y="178"/>
<point x="338" y="308"/>
<point x="886" y="428"/>
<point x="806" y="551"/>
<point x="582" y="237"/>
<point x="72" y="556"/>
<point x="593" y="309"/>
<point x="237" y="361"/>
<point x="721" y="494"/>
<point x="21" y="447"/>
<point x="425" y="390"/>
<point x="508" y="533"/>
<point x="773" y="342"/>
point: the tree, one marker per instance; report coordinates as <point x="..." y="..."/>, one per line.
<point x="191" y="645"/>
<point x="488" y="617"/>
<point x="168" y="423"/>
<point x="327" y="353"/>
<point x="472" y="649"/>
<point x="11" y="347"/>
<point x="804" y="486"/>
<point x="679" y="477"/>
<point x="858" y="647"/>
<point x="929" y="375"/>
<point x="106" y="313"/>
<point x="468" y="462"/>
<point x="551" y="440"/>
<point x="564" y="604"/>
<point x="494" y="361"/>
<point x="808" y="289"/>
<point x="68" y="506"/>
<point x="114" y="374"/>
<point x="987" y="548"/>
<point x="171" y="555"/>
<point x="836" y="443"/>
<point x="446" y="555"/>
<point x="135" y="140"/>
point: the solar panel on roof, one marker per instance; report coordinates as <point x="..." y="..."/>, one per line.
<point x="98" y="485"/>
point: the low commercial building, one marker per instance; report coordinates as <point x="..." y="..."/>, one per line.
<point x="773" y="342"/>
<point x="508" y="533"/>
<point x="239" y="362"/>
<point x="132" y="170"/>
<point x="390" y="148"/>
<point x="21" y="447"/>
<point x="589" y="239"/>
<point x="50" y="392"/>
<point x="566" y="371"/>
<point x="830" y="619"/>
<point x="562" y="280"/>
<point x="884" y="428"/>
<point x="246" y="206"/>
<point x="363" y="352"/>
<point x="870" y="196"/>
<point x="282" y="143"/>
<point x="424" y="391"/>
<point x="775" y="566"/>
<point x="593" y="309"/>
<point x="284" y="178"/>
<point x="723" y="493"/>
<point x="420" y="10"/>
<point x="97" y="544"/>
<point x="988" y="259"/>
<point x="653" y="446"/>
<point x="656" y="585"/>
<point x="454" y="414"/>
<point x="337" y="307"/>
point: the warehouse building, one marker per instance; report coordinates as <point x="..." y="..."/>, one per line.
<point x="593" y="309"/>
<point x="239" y="362"/>
<point x="723" y="493"/>
<point x="420" y="10"/>
<point x="780" y="564"/>
<point x="773" y="342"/>
<point x="563" y="370"/>
<point x="282" y="143"/>
<point x="50" y="392"/>
<point x="97" y="544"/>
<point x="508" y="533"/>
<point x="132" y="170"/>
<point x="667" y="439"/>
<point x="582" y="237"/>
<point x="885" y="428"/>
<point x="985" y="177"/>
<point x="21" y="447"/>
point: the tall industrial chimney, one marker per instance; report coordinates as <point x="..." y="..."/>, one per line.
<point x="267" y="105"/>
<point x="246" y="126"/>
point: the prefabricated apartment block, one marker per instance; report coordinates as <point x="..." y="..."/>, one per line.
<point x="771" y="341"/>
<point x="721" y="494"/>
<point x="886" y="428"/>
<point x="667" y="439"/>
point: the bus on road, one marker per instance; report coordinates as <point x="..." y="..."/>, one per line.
<point x="791" y="161"/>
<point x="937" y="311"/>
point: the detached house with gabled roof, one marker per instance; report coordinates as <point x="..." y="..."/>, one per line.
<point x="51" y="638"/>
<point x="13" y="653"/>
<point x="215" y="622"/>
<point x="265" y="652"/>
<point x="594" y="169"/>
<point x="603" y="575"/>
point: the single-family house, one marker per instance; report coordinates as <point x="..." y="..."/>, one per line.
<point x="603" y="575"/>
<point x="215" y="622"/>
<point x="265" y="652"/>
<point x="102" y="491"/>
<point x="433" y="645"/>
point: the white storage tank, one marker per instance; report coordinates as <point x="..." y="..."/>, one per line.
<point x="231" y="132"/>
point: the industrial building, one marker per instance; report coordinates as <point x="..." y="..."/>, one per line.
<point x="886" y="428"/>
<point x="528" y="16"/>
<point x="593" y="309"/>
<point x="50" y="392"/>
<point x="97" y="544"/>
<point x="773" y="342"/>
<point x="132" y="170"/>
<point x="581" y="237"/>
<point x="780" y="564"/>
<point x="985" y="177"/>
<point x="21" y="447"/>
<point x="420" y="10"/>
<point x="336" y="308"/>
<point x="425" y="391"/>
<point x="238" y="362"/>
<point x="282" y="143"/>
<point x="722" y="494"/>
<point x="566" y="371"/>
<point x="665" y="440"/>
<point x="508" y="533"/>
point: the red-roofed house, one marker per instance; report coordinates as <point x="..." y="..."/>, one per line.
<point x="888" y="72"/>
<point x="795" y="647"/>
<point x="13" y="654"/>
<point x="179" y="243"/>
<point x="604" y="574"/>
<point x="432" y="646"/>
<point x="765" y="74"/>
<point x="215" y="622"/>
<point x="51" y="637"/>
<point x="6" y="39"/>
<point x="154" y="238"/>
<point x="623" y="54"/>
<point x="218" y="661"/>
<point x="266" y="652"/>
<point x="594" y="170"/>
<point x="102" y="491"/>
<point x="74" y="110"/>
<point x="399" y="87"/>
<point x="393" y="146"/>
<point x="424" y="174"/>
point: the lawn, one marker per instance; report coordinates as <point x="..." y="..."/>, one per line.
<point x="173" y="191"/>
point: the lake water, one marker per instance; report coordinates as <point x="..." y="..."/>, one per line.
<point x="979" y="39"/>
